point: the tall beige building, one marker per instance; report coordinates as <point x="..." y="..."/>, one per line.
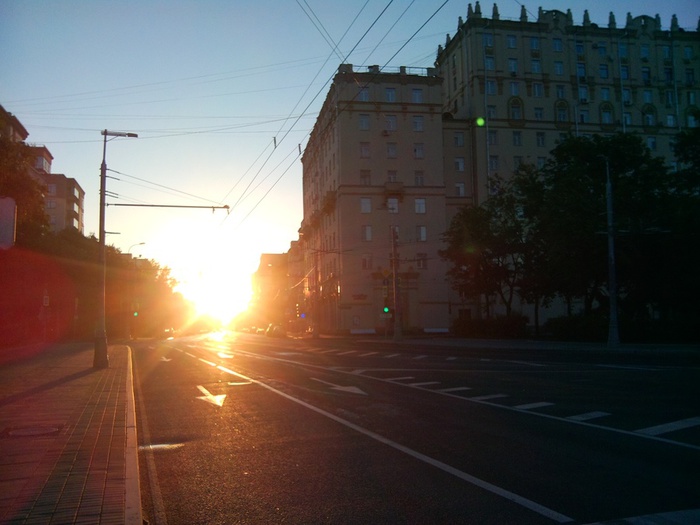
<point x="374" y="186"/>
<point x="536" y="81"/>
<point x="402" y="151"/>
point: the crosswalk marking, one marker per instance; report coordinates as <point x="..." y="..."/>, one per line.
<point x="348" y="352"/>
<point x="670" y="427"/>
<point x="420" y="357"/>
<point x="588" y="416"/>
<point x="400" y="378"/>
<point x="368" y="354"/>
<point x="486" y="398"/>
<point x="391" y="355"/>
<point x="426" y="383"/>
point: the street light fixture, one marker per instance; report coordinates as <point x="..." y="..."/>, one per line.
<point x="101" y="358"/>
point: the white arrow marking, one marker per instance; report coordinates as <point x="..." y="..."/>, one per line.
<point x="348" y="389"/>
<point x="211" y="398"/>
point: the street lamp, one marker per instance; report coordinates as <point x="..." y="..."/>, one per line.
<point x="101" y="359"/>
<point x="613" y="326"/>
<point x="131" y="247"/>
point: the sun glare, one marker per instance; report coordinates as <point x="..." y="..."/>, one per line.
<point x="217" y="296"/>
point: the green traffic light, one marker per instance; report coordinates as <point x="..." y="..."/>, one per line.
<point x="136" y="314"/>
<point x="480" y="121"/>
<point x="386" y="309"/>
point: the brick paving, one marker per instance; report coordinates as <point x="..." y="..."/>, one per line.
<point x="67" y="437"/>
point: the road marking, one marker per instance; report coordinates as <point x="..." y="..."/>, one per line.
<point x="477" y="482"/>
<point x="588" y="416"/>
<point x="420" y="357"/>
<point x="217" y="400"/>
<point x="348" y="352"/>
<point x="329" y="351"/>
<point x="531" y="406"/>
<point x="399" y="378"/>
<point x="451" y="359"/>
<point x="486" y="398"/>
<point x="426" y="383"/>
<point x="348" y="389"/>
<point x="527" y="363"/>
<point x="367" y="354"/>
<point x="670" y="427"/>
<point x="391" y="355"/>
<point x="454" y="389"/>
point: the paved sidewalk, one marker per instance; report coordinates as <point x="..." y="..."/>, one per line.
<point x="68" y="448"/>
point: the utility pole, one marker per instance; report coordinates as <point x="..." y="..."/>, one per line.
<point x="395" y="282"/>
<point x="613" y="327"/>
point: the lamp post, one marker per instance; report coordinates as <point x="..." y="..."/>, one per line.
<point x="613" y="326"/>
<point x="101" y="359"/>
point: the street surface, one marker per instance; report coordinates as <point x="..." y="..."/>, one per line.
<point x="242" y="428"/>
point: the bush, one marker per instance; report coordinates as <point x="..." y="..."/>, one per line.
<point x="502" y="327"/>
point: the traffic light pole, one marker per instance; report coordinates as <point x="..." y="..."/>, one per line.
<point x="395" y="284"/>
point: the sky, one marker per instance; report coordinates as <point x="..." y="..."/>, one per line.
<point x="223" y="95"/>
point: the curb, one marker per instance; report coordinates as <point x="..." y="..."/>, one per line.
<point x="132" y="513"/>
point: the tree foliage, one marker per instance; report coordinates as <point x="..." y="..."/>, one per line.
<point x="543" y="232"/>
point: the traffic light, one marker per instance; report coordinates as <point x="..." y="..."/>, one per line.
<point x="480" y="122"/>
<point x="386" y="310"/>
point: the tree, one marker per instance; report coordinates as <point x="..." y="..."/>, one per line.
<point x="15" y="182"/>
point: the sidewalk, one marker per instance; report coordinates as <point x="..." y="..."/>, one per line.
<point x="68" y="448"/>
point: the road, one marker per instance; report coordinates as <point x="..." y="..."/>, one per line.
<point x="239" y="428"/>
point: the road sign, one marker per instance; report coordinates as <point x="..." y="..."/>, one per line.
<point x="385" y="316"/>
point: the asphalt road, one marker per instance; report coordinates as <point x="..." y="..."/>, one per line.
<point x="248" y="429"/>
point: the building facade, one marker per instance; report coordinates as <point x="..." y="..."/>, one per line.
<point x="534" y="82"/>
<point x="394" y="155"/>
<point x="374" y="203"/>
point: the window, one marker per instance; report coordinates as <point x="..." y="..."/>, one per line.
<point x="541" y="161"/>
<point x="417" y="96"/>
<point x="421" y="233"/>
<point x="671" y="121"/>
<point x="649" y="119"/>
<point x="488" y="40"/>
<point x="557" y="45"/>
<point x="644" y="51"/>
<point x="390" y="94"/>
<point x="422" y="261"/>
<point x="418" y="150"/>
<point x="558" y="68"/>
<point x="666" y="51"/>
<point x="365" y="178"/>
<point x="562" y="113"/>
<point x="491" y="111"/>
<point x="627" y="96"/>
<point x="540" y="139"/>
<point x="646" y="75"/>
<point x="517" y="138"/>
<point x="668" y="75"/>
<point x="390" y="123"/>
<point x="51" y="204"/>
<point x="606" y="116"/>
<point x="622" y="50"/>
<point x="579" y="48"/>
<point x="459" y="189"/>
<point x="602" y="49"/>
<point x="52" y="189"/>
<point x="459" y="163"/>
<point x="627" y="118"/>
<point x="420" y="205"/>
<point x="364" y="122"/>
<point x="583" y="93"/>
<point x="392" y="176"/>
<point x="365" y="205"/>
<point x="419" y="178"/>
<point x="511" y="41"/>
<point x="392" y="205"/>
<point x="517" y="161"/>
<point x="513" y="65"/>
<point x="391" y="150"/>
<point x="491" y="87"/>
<point x="458" y="139"/>
<point x="584" y="116"/>
<point x="647" y="96"/>
<point x="580" y="69"/>
<point x="490" y="63"/>
<point x="515" y="88"/>
<point x="366" y="261"/>
<point x="364" y="150"/>
<point x="603" y="71"/>
<point x="516" y="110"/>
<point x="625" y="72"/>
<point x="691" y="98"/>
<point x="605" y="94"/>
<point x="366" y="232"/>
<point x="534" y="43"/>
<point x="651" y="143"/>
<point x="689" y="77"/>
<point x="561" y="91"/>
<point x="688" y="52"/>
<point x="670" y="99"/>
<point x="539" y="113"/>
<point x="363" y="94"/>
<point x="418" y="123"/>
<point x="538" y="89"/>
<point x="493" y="162"/>
<point x="492" y="137"/>
<point x="536" y="67"/>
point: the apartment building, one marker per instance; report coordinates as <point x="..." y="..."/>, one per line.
<point x="374" y="203"/>
<point x="64" y="198"/>
<point x="536" y="81"/>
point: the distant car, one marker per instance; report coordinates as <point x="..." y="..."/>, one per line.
<point x="169" y="333"/>
<point x="275" y="330"/>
